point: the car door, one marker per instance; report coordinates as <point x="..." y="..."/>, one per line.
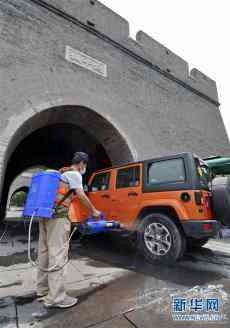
<point x="99" y="192"/>
<point x="127" y="194"/>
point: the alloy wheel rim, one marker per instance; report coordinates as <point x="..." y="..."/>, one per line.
<point x="157" y="239"/>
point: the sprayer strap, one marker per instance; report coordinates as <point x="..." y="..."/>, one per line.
<point x="67" y="195"/>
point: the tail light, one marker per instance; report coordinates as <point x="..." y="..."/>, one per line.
<point x="208" y="227"/>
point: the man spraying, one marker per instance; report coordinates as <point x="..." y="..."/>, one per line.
<point x="54" y="236"/>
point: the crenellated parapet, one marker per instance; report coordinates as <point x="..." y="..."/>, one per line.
<point x="171" y="63"/>
<point x="102" y="19"/>
<point x="203" y="83"/>
<point x="162" y="57"/>
<point x="96" y="15"/>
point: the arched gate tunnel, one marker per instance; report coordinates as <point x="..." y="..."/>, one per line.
<point x="51" y="137"/>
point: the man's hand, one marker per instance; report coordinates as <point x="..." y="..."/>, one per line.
<point x="96" y="213"/>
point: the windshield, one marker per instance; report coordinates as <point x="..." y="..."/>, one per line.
<point x="203" y="172"/>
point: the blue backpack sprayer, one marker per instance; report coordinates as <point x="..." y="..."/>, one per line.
<point x="40" y="204"/>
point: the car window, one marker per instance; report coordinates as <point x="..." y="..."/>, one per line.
<point x="166" y="171"/>
<point x="203" y="172"/>
<point x="100" y="182"/>
<point x="129" y="177"/>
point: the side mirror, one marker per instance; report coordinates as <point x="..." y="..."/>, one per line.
<point x="86" y="188"/>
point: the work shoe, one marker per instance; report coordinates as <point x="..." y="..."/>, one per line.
<point x="66" y="303"/>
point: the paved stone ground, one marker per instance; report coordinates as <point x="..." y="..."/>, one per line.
<point x="115" y="286"/>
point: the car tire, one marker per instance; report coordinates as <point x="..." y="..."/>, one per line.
<point x="160" y="240"/>
<point x="193" y="243"/>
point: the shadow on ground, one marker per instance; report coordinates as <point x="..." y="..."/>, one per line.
<point x="115" y="250"/>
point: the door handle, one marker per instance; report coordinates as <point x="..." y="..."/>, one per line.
<point x="105" y="196"/>
<point x="133" y="193"/>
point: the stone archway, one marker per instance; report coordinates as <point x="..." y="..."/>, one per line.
<point x="50" y="137"/>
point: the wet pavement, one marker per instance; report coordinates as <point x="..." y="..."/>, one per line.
<point x="116" y="287"/>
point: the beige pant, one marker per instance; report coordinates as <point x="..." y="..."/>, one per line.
<point x="53" y="249"/>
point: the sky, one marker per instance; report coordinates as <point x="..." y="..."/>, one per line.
<point x="196" y="30"/>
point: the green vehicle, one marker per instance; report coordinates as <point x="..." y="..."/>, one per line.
<point x="219" y="165"/>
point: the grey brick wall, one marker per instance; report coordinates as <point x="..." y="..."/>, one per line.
<point x="148" y="97"/>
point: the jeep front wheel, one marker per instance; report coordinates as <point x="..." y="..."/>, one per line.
<point x="160" y="240"/>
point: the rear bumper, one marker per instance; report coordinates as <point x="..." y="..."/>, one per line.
<point x="201" y="229"/>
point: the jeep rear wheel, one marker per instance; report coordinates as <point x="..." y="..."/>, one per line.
<point x="160" y="240"/>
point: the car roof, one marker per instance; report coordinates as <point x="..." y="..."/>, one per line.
<point x="143" y="161"/>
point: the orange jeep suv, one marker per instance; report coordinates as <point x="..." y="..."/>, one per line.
<point x="165" y="202"/>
